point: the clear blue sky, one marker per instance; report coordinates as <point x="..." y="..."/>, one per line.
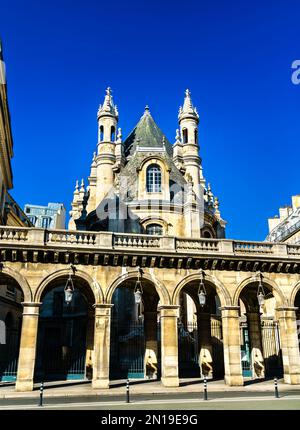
<point x="234" y="55"/>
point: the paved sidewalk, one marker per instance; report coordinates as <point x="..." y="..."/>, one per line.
<point x="84" y="388"/>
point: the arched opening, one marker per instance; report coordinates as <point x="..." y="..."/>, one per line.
<point x="259" y="333"/>
<point x="11" y="297"/>
<point x="200" y="339"/>
<point x="66" y="332"/>
<point x="185" y="135"/>
<point x="153" y="179"/>
<point x="112" y="133"/>
<point x="101" y="133"/>
<point x="207" y="234"/>
<point x="135" y="332"/>
<point x="196" y="136"/>
<point x="156" y="229"/>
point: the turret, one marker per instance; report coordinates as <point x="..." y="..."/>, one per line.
<point x="188" y="121"/>
<point x="106" y="156"/>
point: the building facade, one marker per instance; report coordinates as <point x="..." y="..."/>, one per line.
<point x="144" y="284"/>
<point x="51" y="216"/>
<point x="286" y="226"/>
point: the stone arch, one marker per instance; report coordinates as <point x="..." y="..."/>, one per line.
<point x="295" y="290"/>
<point x="21" y="280"/>
<point x="277" y="293"/>
<point x="94" y="285"/>
<point x="220" y="288"/>
<point x="161" y="290"/>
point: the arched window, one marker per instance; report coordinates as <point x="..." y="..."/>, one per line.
<point x="153" y="180"/>
<point x="112" y="133"/>
<point x="196" y="136"/>
<point x="185" y="135"/>
<point x="154" y="229"/>
<point x="207" y="234"/>
<point x="101" y="132"/>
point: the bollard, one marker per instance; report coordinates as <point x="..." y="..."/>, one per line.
<point x="276" y="388"/>
<point x="41" y="393"/>
<point x="127" y="391"/>
<point x="205" y="390"/>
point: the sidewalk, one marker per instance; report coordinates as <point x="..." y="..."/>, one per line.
<point x="84" y="388"/>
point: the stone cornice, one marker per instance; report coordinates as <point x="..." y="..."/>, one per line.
<point x="120" y="249"/>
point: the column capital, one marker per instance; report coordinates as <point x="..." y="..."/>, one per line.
<point x="31" y="308"/>
<point x="287" y="308"/>
<point x="169" y="311"/>
<point x="102" y="309"/>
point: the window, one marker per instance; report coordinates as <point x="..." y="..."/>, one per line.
<point x="154" y="229"/>
<point x="112" y="134"/>
<point x="153" y="180"/>
<point x="32" y="218"/>
<point x="185" y="135"/>
<point x="101" y="132"/>
<point x="196" y="136"/>
<point x="46" y="221"/>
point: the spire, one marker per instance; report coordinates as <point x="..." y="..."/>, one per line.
<point x="108" y="107"/>
<point x="188" y="110"/>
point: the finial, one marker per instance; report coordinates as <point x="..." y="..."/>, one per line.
<point x="119" y="135"/>
<point x="216" y="203"/>
<point x="108" y="91"/>
<point x="187" y="93"/>
<point x="76" y="186"/>
<point x="82" y="185"/>
<point x="164" y="141"/>
<point x="177" y="137"/>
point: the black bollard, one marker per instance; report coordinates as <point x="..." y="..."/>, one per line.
<point x="205" y="390"/>
<point x="41" y="393"/>
<point x="127" y="391"/>
<point x="276" y="388"/>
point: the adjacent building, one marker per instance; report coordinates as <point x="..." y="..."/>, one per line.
<point x="286" y="226"/>
<point x="51" y="216"/>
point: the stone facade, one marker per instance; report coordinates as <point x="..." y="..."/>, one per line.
<point x="37" y="258"/>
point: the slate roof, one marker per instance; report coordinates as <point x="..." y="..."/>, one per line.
<point x="147" y="134"/>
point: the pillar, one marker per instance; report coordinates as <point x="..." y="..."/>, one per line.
<point x="101" y="346"/>
<point x="28" y="344"/>
<point x="232" y="345"/>
<point x="150" y="324"/>
<point x="257" y="356"/>
<point x="289" y="344"/>
<point x="169" y="345"/>
<point x="204" y="333"/>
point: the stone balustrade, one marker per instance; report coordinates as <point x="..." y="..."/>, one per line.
<point x="98" y="240"/>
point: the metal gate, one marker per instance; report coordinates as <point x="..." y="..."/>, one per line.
<point x="62" y="350"/>
<point x="188" y="350"/>
<point x="9" y="354"/>
<point x="271" y="348"/>
<point x="127" y="351"/>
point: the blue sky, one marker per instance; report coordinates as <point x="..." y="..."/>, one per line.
<point x="234" y="55"/>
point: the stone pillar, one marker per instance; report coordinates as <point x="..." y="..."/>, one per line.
<point x="169" y="345"/>
<point x="257" y="356"/>
<point x="232" y="345"/>
<point x="204" y="334"/>
<point x="150" y="324"/>
<point x="28" y="343"/>
<point x="101" y="346"/>
<point x="289" y="344"/>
